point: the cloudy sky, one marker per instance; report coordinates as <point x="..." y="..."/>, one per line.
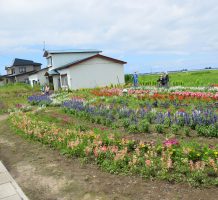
<point x="151" y="35"/>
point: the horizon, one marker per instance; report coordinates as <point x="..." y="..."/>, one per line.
<point x="151" y="36"/>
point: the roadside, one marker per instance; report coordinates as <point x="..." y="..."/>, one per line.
<point x="44" y="174"/>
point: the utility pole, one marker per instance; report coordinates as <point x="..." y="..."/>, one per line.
<point x="43" y="45"/>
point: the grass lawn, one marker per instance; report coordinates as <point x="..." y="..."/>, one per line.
<point x="200" y="78"/>
<point x="13" y="94"/>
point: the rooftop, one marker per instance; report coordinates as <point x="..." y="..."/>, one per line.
<point x="23" y="62"/>
<point x="46" y="52"/>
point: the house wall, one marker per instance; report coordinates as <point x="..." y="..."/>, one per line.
<point x="32" y="78"/>
<point x="28" y="69"/>
<point x="56" y="83"/>
<point x="22" y="78"/>
<point x="97" y="72"/>
<point x="36" y="68"/>
<point x="59" y="60"/>
<point x="39" y="76"/>
<point x="2" y="82"/>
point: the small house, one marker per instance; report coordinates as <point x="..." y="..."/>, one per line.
<point x="20" y="70"/>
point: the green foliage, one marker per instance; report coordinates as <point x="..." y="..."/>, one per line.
<point x="13" y="94"/>
<point x="143" y="126"/>
<point x="208" y="131"/>
<point x="201" y="78"/>
<point x="159" y="128"/>
<point x="128" y="78"/>
<point x="133" y="128"/>
<point x="175" y="128"/>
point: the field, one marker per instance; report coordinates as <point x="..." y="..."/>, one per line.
<point x="163" y="137"/>
<point x="199" y="78"/>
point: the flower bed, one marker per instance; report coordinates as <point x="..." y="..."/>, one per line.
<point x="39" y="100"/>
<point x="171" y="160"/>
<point x="204" y="121"/>
<point x="157" y="112"/>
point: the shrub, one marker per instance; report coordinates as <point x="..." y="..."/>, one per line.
<point x="133" y="128"/>
<point x="143" y="126"/>
<point x="159" y="128"/>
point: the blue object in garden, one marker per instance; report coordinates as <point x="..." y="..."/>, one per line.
<point x="135" y="79"/>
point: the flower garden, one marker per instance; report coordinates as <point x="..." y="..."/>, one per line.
<point x="157" y="133"/>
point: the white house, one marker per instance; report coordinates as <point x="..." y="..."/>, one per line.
<point x="75" y="69"/>
<point x="38" y="77"/>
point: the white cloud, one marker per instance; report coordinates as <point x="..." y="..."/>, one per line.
<point x="139" y="27"/>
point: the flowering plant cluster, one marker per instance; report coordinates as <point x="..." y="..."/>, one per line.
<point x="157" y="93"/>
<point x="197" y="94"/>
<point x="139" y="120"/>
<point x="107" y="92"/>
<point x="39" y="100"/>
<point x="171" y="160"/>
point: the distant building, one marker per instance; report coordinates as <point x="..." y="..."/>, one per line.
<point x="20" y="70"/>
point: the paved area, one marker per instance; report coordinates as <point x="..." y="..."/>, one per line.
<point x="9" y="189"/>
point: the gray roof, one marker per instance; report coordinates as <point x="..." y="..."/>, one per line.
<point x="53" y="72"/>
<point x="71" y="51"/>
<point x="23" y="62"/>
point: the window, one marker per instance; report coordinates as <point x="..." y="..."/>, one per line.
<point x="12" y="71"/>
<point x="64" y="81"/>
<point x="49" y="61"/>
<point x="22" y="69"/>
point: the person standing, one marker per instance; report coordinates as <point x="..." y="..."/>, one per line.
<point x="135" y="79"/>
<point x="161" y="81"/>
<point x="167" y="79"/>
<point x="47" y="88"/>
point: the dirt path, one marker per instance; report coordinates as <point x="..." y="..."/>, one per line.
<point x="44" y="174"/>
<point x="3" y="117"/>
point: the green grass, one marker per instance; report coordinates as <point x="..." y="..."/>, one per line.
<point x="13" y="94"/>
<point x="198" y="78"/>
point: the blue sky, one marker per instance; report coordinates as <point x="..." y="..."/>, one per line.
<point x="151" y="35"/>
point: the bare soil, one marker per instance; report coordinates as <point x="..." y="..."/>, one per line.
<point x="44" y="174"/>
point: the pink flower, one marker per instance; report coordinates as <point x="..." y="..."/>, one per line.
<point x="87" y="150"/>
<point x="95" y="151"/>
<point x="148" y="163"/>
<point x="170" y="142"/>
<point x="169" y="163"/>
<point x="114" y="149"/>
<point x="104" y="148"/>
<point x="191" y="165"/>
